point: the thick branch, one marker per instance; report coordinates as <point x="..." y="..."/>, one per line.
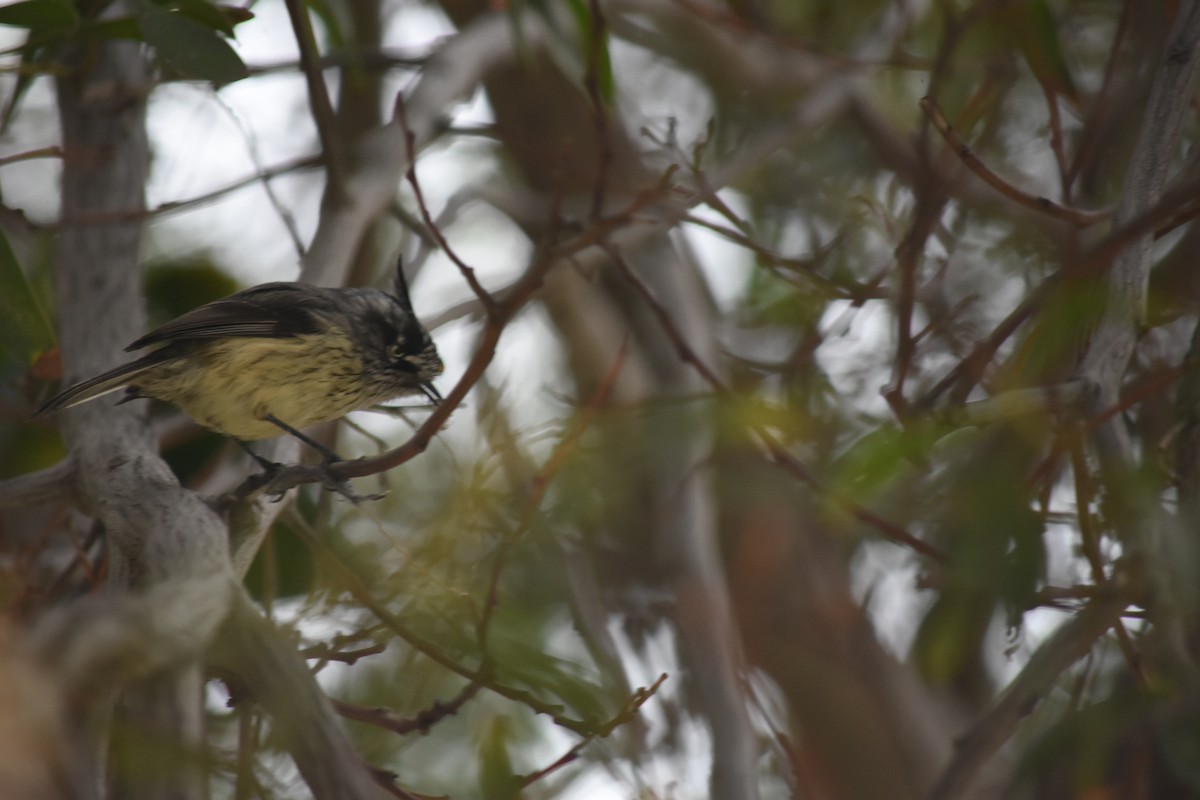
<point x="1068" y="644"/>
<point x="263" y="663"/>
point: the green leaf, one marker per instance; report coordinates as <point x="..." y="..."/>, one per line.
<point x="39" y="15"/>
<point x="329" y="17"/>
<point x="948" y="642"/>
<point x="24" y="331"/>
<point x="602" y="65"/>
<point x="194" y="51"/>
<point x="117" y="28"/>
<point x="1036" y="33"/>
<point x="207" y="14"/>
<point x="497" y="776"/>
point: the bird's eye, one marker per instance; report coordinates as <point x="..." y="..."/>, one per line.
<point x="395" y="351"/>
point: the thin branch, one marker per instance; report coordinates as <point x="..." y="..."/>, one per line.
<point x="358" y="590"/>
<point x="29" y="155"/>
<point x="468" y="272"/>
<point x="285" y="215"/>
<point x="835" y="286"/>
<point x="359" y="58"/>
<point x="632" y="705"/>
<point x="318" y="92"/>
<point x="422" y="723"/>
<point x="930" y="204"/>
<point x="326" y="653"/>
<point x="1079" y="217"/>
<point x="170" y="207"/>
<point x="969" y="371"/>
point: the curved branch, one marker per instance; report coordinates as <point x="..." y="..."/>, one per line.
<point x="1080" y="218"/>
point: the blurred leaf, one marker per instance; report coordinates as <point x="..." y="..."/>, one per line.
<point x="602" y="67"/>
<point x="555" y="679"/>
<point x="1036" y="32"/>
<point x="174" y="287"/>
<point x="212" y="15"/>
<point x="116" y="28"/>
<point x="39" y="15"/>
<point x="24" y="332"/>
<point x="980" y="499"/>
<point x="948" y="642"/>
<point x="879" y="457"/>
<point x="193" y="50"/>
<point x="330" y="22"/>
<point x="292" y="572"/>
<point x="50" y="23"/>
<point x="497" y="778"/>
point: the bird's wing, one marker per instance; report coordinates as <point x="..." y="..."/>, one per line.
<point x="273" y="310"/>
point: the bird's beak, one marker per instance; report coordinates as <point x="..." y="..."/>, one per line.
<point x="430" y="391"/>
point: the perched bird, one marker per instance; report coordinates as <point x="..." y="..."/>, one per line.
<point x="276" y="358"/>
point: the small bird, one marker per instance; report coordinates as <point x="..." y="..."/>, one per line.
<point x="276" y="358"/>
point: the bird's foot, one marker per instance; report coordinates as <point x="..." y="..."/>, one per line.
<point x="332" y="482"/>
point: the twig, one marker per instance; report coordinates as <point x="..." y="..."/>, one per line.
<point x="383" y="718"/>
<point x="28" y="155"/>
<point x="360" y="58"/>
<point x="318" y="92"/>
<point x="285" y="215"/>
<point x="968" y="372"/>
<point x="325" y="653"/>
<point x="632" y="705"/>
<point x="386" y="780"/>
<point x="1078" y="217"/>
<point x="468" y="272"/>
<point x="837" y="287"/>
<point x="930" y="204"/>
<point x="363" y="596"/>
<point x="133" y="215"/>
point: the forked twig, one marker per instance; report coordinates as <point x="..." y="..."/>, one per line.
<point x="1081" y="218"/>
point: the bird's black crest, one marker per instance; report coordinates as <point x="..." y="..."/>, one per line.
<point x="400" y="286"/>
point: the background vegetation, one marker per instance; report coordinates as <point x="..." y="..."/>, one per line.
<point x="821" y="410"/>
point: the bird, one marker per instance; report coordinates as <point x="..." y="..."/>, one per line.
<point x="277" y="357"/>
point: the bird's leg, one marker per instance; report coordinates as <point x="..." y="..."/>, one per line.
<point x="330" y="456"/>
<point x="269" y="469"/>
<point x="268" y="465"/>
<point x="328" y="479"/>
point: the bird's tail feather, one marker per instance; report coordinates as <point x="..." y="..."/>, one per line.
<point x="99" y="386"/>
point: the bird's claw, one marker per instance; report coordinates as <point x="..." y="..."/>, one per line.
<point x="334" y="484"/>
<point x="275" y="481"/>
